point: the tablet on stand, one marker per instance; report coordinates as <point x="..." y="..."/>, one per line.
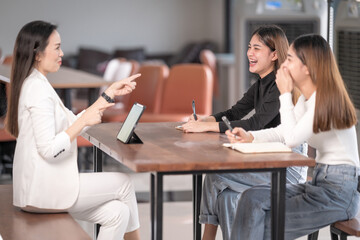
<point x="126" y="133"/>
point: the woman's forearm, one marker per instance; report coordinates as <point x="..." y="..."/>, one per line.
<point x="75" y="129"/>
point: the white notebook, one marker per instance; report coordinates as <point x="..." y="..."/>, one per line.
<point x="265" y="147"/>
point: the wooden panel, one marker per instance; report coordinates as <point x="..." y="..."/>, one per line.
<point x="166" y="149"/>
<point x="16" y="224"/>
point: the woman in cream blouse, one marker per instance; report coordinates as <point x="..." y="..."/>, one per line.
<point x="325" y="117"/>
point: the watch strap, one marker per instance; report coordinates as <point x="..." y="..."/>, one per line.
<point x="107" y="98"/>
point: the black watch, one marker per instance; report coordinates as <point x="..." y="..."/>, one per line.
<point x="107" y="98"/>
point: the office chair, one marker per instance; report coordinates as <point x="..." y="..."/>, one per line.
<point x="8" y="60"/>
<point x="186" y="82"/>
<point x="208" y="58"/>
<point x="148" y="92"/>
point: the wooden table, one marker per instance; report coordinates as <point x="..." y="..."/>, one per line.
<point x="169" y="151"/>
<point x="16" y="224"/>
<point x="66" y="79"/>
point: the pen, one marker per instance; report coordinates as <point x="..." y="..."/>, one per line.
<point x="227" y="123"/>
<point x="194" y="112"/>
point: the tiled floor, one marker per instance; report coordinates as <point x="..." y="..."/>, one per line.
<point x="177" y="215"/>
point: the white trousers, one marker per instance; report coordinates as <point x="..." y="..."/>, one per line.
<point x="108" y="199"/>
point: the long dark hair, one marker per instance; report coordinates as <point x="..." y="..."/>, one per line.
<point x="31" y="40"/>
<point x="333" y="107"/>
<point x="275" y="39"/>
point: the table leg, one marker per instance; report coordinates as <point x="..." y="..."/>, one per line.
<point x="278" y="188"/>
<point x="67" y="98"/>
<point x="197" y="189"/>
<point x="97" y="161"/>
<point x="158" y="223"/>
<point x="93" y="95"/>
<point x="152" y="205"/>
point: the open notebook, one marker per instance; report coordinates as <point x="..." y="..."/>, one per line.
<point x="265" y="147"/>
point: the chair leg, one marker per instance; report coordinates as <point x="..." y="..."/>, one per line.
<point x="336" y="232"/>
<point x="343" y="236"/>
<point x="313" y="236"/>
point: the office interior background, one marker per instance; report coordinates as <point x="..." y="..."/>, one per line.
<point x="163" y="29"/>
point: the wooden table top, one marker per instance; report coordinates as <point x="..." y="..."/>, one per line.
<point x="166" y="149"/>
<point x="16" y="224"/>
<point x="64" y="78"/>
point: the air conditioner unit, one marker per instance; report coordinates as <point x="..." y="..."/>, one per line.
<point x="295" y="17"/>
<point x="347" y="48"/>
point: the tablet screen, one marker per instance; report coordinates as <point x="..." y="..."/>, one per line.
<point x="130" y="122"/>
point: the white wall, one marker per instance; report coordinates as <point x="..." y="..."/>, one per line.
<point x="161" y="26"/>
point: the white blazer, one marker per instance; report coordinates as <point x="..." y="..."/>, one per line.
<point x="45" y="172"/>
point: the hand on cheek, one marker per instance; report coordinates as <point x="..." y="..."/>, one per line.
<point x="284" y="80"/>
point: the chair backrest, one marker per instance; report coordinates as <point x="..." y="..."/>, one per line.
<point x="188" y="82"/>
<point x="149" y="86"/>
<point x="117" y="69"/>
<point x="137" y="54"/>
<point x="8" y="60"/>
<point x="89" y="59"/>
<point x="135" y="67"/>
<point x="208" y="58"/>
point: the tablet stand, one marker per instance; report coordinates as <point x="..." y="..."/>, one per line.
<point x="135" y="139"/>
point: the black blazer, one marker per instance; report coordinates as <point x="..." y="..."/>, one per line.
<point x="263" y="96"/>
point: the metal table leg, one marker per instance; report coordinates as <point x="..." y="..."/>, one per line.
<point x="152" y="205"/>
<point x="97" y="153"/>
<point x="158" y="204"/>
<point x="197" y="189"/>
<point x="278" y="188"/>
<point x="97" y="161"/>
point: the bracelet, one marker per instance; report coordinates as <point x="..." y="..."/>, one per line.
<point x="107" y="98"/>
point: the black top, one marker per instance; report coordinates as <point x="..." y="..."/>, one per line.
<point x="263" y="96"/>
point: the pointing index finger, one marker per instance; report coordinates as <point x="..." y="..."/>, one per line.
<point x="131" y="78"/>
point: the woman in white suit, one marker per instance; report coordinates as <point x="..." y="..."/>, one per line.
<point x="45" y="172"/>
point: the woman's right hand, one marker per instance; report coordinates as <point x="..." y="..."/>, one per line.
<point x="192" y="118"/>
<point x="284" y="81"/>
<point x="93" y="114"/>
<point x="122" y="87"/>
<point x="203" y="124"/>
<point x="239" y="135"/>
<point x="202" y="119"/>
